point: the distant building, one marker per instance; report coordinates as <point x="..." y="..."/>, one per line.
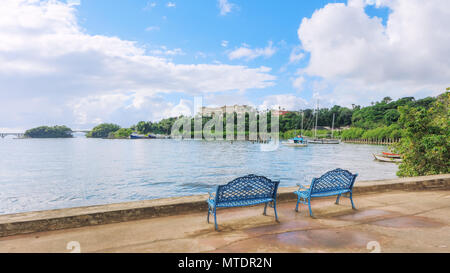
<point x="239" y="109"/>
<point x="278" y="113"/>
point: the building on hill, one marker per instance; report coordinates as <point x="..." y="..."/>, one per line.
<point x="239" y="109"/>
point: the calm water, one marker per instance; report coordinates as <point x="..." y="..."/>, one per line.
<point x="41" y="174"/>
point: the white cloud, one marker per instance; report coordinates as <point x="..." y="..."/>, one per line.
<point x="245" y="52"/>
<point x="49" y="63"/>
<point x="225" y="7"/>
<point x="298" y="83"/>
<point x="365" y="59"/>
<point x="171" y="5"/>
<point x="296" y="54"/>
<point x="224" y="43"/>
<point x="119" y="108"/>
<point x="149" y="5"/>
<point x="163" y="50"/>
<point x="283" y="101"/>
<point x="152" y="28"/>
<point x="73" y="2"/>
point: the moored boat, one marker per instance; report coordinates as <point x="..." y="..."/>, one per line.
<point x="317" y="140"/>
<point x="391" y="155"/>
<point x="138" y="136"/>
<point x="324" y="141"/>
<point x="296" y="142"/>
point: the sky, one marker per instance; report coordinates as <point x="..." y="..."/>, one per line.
<point x="83" y="62"/>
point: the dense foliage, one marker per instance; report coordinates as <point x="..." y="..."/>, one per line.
<point x="385" y="112"/>
<point x="376" y="122"/>
<point x="103" y="130"/>
<point x="425" y="145"/>
<point x="49" y="132"/>
<point x="121" y="133"/>
<point x="163" y="127"/>
<point x="392" y="132"/>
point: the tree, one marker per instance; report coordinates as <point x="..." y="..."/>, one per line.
<point x="103" y="130"/>
<point x="391" y="116"/>
<point x="425" y="146"/>
<point x="386" y="100"/>
<point x="143" y="127"/>
<point x="49" y="132"/>
<point x="121" y="133"/>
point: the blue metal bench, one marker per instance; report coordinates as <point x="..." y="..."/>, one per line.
<point x="336" y="182"/>
<point x="244" y="191"/>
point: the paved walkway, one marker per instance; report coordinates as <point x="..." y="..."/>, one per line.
<point x="395" y="222"/>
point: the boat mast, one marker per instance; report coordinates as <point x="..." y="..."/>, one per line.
<point x="303" y="117"/>
<point x="317" y="117"/>
<point x="332" y="126"/>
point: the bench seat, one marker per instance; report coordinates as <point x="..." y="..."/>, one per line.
<point x="239" y="203"/>
<point x="321" y="194"/>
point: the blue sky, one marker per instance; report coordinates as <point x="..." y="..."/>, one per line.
<point x="205" y="35"/>
<point x="83" y="62"/>
<point x="201" y="32"/>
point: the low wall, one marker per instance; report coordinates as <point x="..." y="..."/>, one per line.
<point x="31" y="222"/>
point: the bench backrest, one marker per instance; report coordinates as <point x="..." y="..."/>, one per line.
<point x="247" y="187"/>
<point x="333" y="181"/>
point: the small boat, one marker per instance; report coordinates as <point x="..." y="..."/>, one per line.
<point x="390" y="155"/>
<point x="138" y="136"/>
<point x="317" y="140"/>
<point x="296" y="142"/>
<point x="324" y="141"/>
<point x="384" y="158"/>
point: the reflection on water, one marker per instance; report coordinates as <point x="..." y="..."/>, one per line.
<point x="40" y="174"/>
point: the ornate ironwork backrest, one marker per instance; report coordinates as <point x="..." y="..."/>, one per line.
<point x="333" y="180"/>
<point x="247" y="187"/>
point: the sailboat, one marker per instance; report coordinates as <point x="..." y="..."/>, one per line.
<point x="297" y="141"/>
<point x="323" y="140"/>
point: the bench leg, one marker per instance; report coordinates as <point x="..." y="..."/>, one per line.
<point x="215" y="219"/>
<point x="310" y="211"/>
<point x="275" y="209"/>
<point x="337" y="199"/>
<point x="265" y="209"/>
<point x="207" y="218"/>
<point x="351" y="199"/>
<point x="296" y="207"/>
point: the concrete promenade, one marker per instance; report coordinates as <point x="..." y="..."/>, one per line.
<point x="415" y="218"/>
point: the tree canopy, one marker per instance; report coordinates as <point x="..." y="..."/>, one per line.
<point x="425" y="146"/>
<point x="103" y="130"/>
<point x="378" y="121"/>
<point x="49" y="132"/>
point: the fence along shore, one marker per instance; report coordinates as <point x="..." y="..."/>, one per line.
<point x="387" y="141"/>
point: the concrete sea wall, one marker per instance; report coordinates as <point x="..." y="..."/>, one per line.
<point x="31" y="222"/>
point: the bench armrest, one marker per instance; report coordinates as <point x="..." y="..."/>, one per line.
<point x="301" y="187"/>
<point x="211" y="195"/>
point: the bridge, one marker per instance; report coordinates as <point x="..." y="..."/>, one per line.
<point x="19" y="135"/>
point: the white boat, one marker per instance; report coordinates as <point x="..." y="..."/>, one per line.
<point x="324" y="141"/>
<point x="297" y="141"/>
<point x="292" y="143"/>
<point x="317" y="140"/>
<point x="387" y="159"/>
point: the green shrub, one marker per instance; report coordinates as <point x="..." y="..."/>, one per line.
<point x="103" y="130"/>
<point x="49" y="132"/>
